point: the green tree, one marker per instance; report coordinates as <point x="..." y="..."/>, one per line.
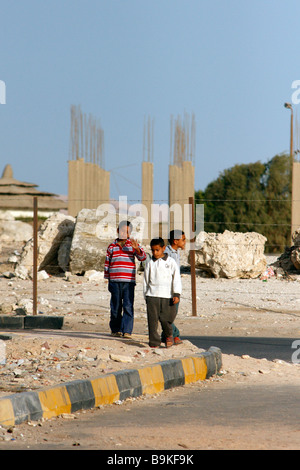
<point x="278" y="190"/>
<point x="251" y="197"/>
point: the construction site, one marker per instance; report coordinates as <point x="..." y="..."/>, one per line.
<point x="89" y="182"/>
<point x="57" y="304"/>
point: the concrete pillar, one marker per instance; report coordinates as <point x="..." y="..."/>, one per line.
<point x="181" y="187"/>
<point x="147" y="197"/>
<point x="188" y="181"/>
<point x="88" y="186"/>
<point x="104" y="186"/>
<point x="75" y="186"/>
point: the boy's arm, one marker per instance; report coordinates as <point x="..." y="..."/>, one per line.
<point x="177" y="286"/>
<point x="146" y="279"/>
<point x="107" y="262"/>
<point x="139" y="252"/>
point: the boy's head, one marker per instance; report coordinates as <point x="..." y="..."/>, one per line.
<point x="124" y="229"/>
<point x="177" y="239"/>
<point x="157" y="247"/>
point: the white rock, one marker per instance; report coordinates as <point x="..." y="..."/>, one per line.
<point x="15" y="230"/>
<point x="26" y="304"/>
<point x="231" y="254"/>
<point x="50" y="236"/>
<point x="120" y="358"/>
<point x="94" y="275"/>
<point x="2" y="352"/>
<point x="42" y="275"/>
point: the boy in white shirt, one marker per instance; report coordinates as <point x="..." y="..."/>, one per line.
<point x="176" y="243"/>
<point x="162" y="289"/>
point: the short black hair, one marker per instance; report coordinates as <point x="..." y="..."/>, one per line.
<point x="175" y="235"/>
<point x="157" y="241"/>
<point x="125" y="222"/>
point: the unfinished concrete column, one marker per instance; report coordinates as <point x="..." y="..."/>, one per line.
<point x="176" y="197"/>
<point x="181" y="171"/>
<point x="104" y="186"/>
<point x="88" y="181"/>
<point x="76" y="186"/>
<point x="188" y="176"/>
<point x="147" y="197"/>
<point x="147" y="179"/>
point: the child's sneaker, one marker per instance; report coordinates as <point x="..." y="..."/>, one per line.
<point x="127" y="335"/>
<point x="177" y="340"/>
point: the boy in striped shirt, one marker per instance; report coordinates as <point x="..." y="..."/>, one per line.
<point x="120" y="271"/>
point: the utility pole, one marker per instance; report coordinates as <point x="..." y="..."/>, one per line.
<point x="192" y="258"/>
<point x="289" y="106"/>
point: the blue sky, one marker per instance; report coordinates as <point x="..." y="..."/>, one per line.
<point x="230" y="62"/>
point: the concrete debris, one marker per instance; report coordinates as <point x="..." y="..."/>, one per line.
<point x="77" y="246"/>
<point x="231" y="255"/>
<point x="41" y="275"/>
<point x="51" y="235"/>
<point x="14" y="230"/>
<point x="119" y="358"/>
<point x="88" y="249"/>
<point x="31" y="362"/>
<point x="26" y="305"/>
<point x="6" y="308"/>
<point x="94" y="275"/>
<point x="2" y="352"/>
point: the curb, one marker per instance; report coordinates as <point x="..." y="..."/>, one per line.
<point x="107" y="389"/>
<point x="20" y="322"/>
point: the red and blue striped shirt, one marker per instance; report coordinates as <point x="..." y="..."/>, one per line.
<point x="120" y="261"/>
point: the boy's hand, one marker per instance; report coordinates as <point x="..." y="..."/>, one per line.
<point x="175" y="300"/>
<point x="135" y="245"/>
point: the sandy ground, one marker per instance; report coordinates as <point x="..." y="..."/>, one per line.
<point x="84" y="347"/>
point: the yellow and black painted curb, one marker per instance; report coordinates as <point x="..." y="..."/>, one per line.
<point x="106" y="389"/>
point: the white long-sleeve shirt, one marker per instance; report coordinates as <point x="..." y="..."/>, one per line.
<point x="162" y="278"/>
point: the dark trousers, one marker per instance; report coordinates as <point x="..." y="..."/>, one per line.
<point x="175" y="331"/>
<point x="163" y="311"/>
<point x="121" y="301"/>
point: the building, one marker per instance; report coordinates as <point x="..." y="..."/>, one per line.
<point x="17" y="197"/>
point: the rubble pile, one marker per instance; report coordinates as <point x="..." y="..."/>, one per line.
<point x="231" y="255"/>
<point x="289" y="260"/>
<point x="78" y="245"/>
<point x="33" y="362"/>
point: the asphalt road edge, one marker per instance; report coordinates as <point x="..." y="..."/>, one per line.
<point x="109" y="388"/>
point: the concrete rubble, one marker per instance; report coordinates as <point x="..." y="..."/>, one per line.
<point x="78" y="246"/>
<point x="289" y="261"/>
<point x="231" y="255"/>
<point x="13" y="230"/>
<point x="33" y="362"/>
<point x="51" y="243"/>
<point x="295" y="253"/>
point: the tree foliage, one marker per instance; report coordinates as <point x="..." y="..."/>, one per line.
<point x="254" y="197"/>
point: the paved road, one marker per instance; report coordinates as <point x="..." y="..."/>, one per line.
<point x="215" y="415"/>
<point x="211" y="416"/>
<point x="269" y="348"/>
